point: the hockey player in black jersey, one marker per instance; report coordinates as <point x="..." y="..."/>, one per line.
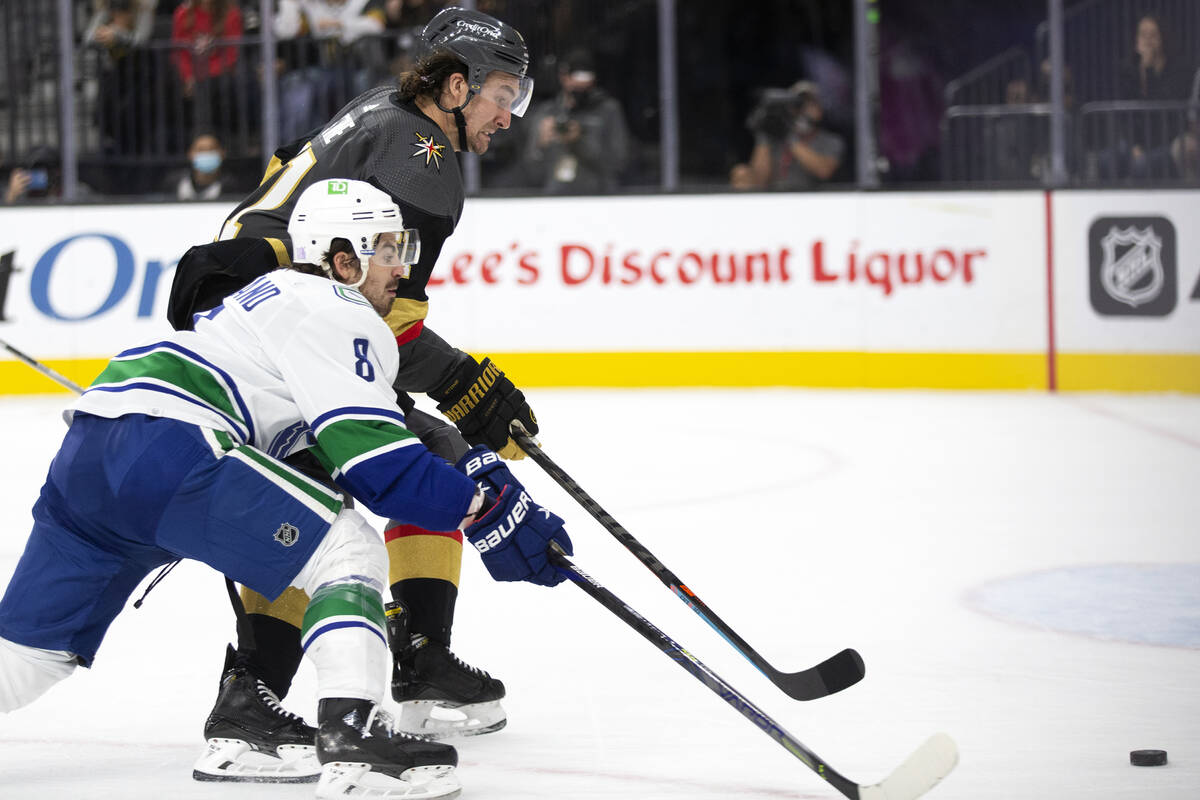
<point x="465" y="88"/>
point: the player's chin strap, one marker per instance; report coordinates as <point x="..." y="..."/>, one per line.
<point x="459" y="120"/>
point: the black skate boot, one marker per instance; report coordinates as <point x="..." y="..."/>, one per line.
<point x="439" y="695"/>
<point x="252" y="738"/>
<point x="362" y="754"/>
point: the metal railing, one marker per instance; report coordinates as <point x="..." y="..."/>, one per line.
<point x="997" y="144"/>
<point x="1108" y="144"/>
<point x="987" y="83"/>
<point x="1127" y="142"/>
<point x="29" y="85"/>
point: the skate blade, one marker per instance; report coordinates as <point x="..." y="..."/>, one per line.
<point x="236" y="761"/>
<point x="433" y="719"/>
<point x="340" y="779"/>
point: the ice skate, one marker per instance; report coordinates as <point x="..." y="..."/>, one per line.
<point x="440" y="697"/>
<point x="252" y="738"/>
<point x="362" y="754"/>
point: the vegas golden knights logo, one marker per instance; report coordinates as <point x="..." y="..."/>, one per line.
<point x="287" y="534"/>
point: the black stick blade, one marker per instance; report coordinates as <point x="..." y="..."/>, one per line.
<point x="831" y="676"/>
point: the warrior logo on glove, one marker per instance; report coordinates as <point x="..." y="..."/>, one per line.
<point x="483" y="403"/>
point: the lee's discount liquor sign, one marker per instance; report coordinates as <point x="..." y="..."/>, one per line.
<point x="716" y="272"/>
<point x="762" y="272"/>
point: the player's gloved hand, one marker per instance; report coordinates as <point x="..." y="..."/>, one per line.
<point x="483" y="403"/>
<point x="513" y="534"/>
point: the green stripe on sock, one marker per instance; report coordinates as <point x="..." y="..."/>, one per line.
<point x="344" y="600"/>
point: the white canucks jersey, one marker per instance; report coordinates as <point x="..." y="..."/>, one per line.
<point x="288" y="362"/>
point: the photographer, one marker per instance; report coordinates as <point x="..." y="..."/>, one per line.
<point x="791" y="149"/>
<point x="39" y="178"/>
<point x="578" y="141"/>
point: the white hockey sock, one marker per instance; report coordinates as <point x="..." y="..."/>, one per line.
<point x="344" y="631"/>
<point x="27" y="672"/>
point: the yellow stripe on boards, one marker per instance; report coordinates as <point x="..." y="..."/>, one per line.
<point x="17" y="377"/>
<point x="828" y="369"/>
<point x="1132" y="372"/>
<point x="1126" y="372"/>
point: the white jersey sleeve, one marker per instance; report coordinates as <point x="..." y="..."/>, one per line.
<point x="293" y="360"/>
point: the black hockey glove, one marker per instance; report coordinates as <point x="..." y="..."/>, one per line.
<point x="483" y="403"/>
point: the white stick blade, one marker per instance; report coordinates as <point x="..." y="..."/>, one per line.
<point x="921" y="772"/>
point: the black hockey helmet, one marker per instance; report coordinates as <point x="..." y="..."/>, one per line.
<point x="484" y="44"/>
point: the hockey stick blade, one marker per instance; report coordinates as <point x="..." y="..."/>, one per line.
<point x="921" y="772"/>
<point x="932" y="762"/>
<point x="832" y="675"/>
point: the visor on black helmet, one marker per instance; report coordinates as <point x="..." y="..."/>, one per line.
<point x="489" y="48"/>
<point x="509" y="92"/>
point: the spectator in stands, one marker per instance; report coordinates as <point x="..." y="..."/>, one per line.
<point x="116" y="30"/>
<point x="39" y="178"/>
<point x="578" y="141"/>
<point x="117" y="25"/>
<point x="202" y="180"/>
<point x="1143" y="148"/>
<point x="1010" y="138"/>
<point x="791" y="150"/>
<point x="349" y="54"/>
<point x="207" y="72"/>
<point x="1149" y="74"/>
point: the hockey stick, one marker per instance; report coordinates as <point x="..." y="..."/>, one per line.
<point x="831" y="675"/>
<point x="921" y="772"/>
<point x="42" y="368"/>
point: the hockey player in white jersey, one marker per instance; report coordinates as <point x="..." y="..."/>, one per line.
<point x="174" y="452"/>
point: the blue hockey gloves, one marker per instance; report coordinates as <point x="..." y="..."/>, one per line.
<point x="514" y="534"/>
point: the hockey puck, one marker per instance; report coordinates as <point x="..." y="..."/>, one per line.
<point x="1148" y="758"/>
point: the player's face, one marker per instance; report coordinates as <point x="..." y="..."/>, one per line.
<point x="391" y="263"/>
<point x="491" y="110"/>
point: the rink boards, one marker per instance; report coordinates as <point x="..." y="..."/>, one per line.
<point x="1013" y="290"/>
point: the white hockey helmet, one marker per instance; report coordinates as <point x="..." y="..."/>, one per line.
<point x="357" y="212"/>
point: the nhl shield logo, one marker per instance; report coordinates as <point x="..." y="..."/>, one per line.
<point x="287" y="534"/>
<point x="1133" y="266"/>
<point x="1132" y="270"/>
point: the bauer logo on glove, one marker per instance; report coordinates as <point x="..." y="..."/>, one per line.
<point x="486" y="541"/>
<point x="513" y="538"/>
<point x="482" y="458"/>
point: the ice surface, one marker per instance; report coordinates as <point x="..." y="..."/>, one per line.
<point x="810" y="521"/>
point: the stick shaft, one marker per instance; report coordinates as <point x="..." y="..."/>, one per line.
<point x="703" y="674"/>
<point x="834" y="674"/>
<point x="42" y="368"/>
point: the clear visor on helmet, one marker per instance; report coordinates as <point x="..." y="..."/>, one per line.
<point x="508" y="92"/>
<point x="394" y="248"/>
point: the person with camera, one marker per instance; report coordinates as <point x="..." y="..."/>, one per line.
<point x="579" y="142"/>
<point x="39" y="178"/>
<point x="791" y="150"/>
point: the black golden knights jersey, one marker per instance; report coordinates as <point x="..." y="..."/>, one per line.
<point x="389" y="144"/>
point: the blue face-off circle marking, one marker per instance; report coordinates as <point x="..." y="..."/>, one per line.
<point x="1156" y="604"/>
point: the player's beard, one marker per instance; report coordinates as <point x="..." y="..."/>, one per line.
<point x="480" y="142"/>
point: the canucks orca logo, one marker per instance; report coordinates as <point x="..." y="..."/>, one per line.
<point x="287" y="534"/>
